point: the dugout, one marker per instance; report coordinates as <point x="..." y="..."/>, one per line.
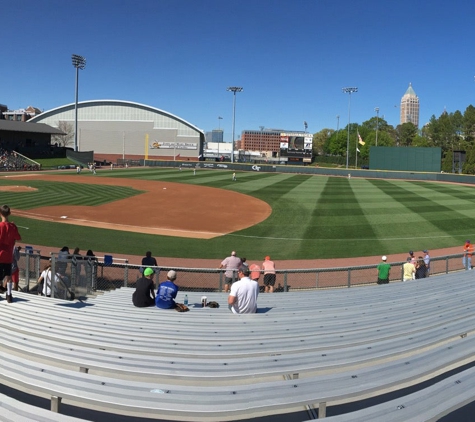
<point x="405" y="159"/>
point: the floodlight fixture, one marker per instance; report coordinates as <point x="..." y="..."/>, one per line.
<point x="377" y="123"/>
<point x="349" y="91"/>
<point x="79" y="62"/>
<point x="234" y="89"/>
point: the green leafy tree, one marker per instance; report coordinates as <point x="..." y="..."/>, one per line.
<point x="406" y="134"/>
<point x="468" y="124"/>
<point x="320" y="139"/>
<point x="447" y="162"/>
<point x="469" y="165"/>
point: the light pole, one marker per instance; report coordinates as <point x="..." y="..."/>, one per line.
<point x="260" y="142"/>
<point x="234" y="89"/>
<point x="348" y="91"/>
<point x="219" y="128"/>
<point x="377" y="123"/>
<point x="79" y="62"/>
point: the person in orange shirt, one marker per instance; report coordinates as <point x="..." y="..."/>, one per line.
<point x="255" y="272"/>
<point x="269" y="274"/>
<point x="467" y="257"/>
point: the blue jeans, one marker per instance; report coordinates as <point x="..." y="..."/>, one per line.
<point x="467" y="262"/>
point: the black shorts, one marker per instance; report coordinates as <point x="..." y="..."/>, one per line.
<point x="269" y="279"/>
<point x="5" y="269"/>
<point x="229" y="280"/>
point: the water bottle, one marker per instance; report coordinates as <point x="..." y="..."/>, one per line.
<point x="185" y="301"/>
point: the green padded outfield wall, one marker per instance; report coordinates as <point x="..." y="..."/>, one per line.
<point x="405" y="159"/>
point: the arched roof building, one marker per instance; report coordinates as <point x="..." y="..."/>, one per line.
<point x="124" y="129"/>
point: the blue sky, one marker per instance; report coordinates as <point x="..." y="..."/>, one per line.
<point x="292" y="57"/>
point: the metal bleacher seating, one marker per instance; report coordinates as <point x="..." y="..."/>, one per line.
<point x="303" y="348"/>
<point x="16" y="411"/>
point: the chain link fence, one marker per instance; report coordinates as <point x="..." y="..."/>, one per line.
<point x="80" y="276"/>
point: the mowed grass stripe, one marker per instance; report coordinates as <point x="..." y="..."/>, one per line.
<point x="338" y="214"/>
<point x="280" y="222"/>
<point x="437" y="218"/>
<point x="463" y="197"/>
<point x="57" y="193"/>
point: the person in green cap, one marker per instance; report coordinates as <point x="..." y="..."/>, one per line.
<point x="144" y="294"/>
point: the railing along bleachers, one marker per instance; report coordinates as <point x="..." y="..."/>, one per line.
<point x="84" y="276"/>
<point x="314" y="349"/>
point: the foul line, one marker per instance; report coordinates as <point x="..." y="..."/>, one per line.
<point x="346" y="240"/>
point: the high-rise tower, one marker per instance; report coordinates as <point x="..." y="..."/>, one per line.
<point x="410" y="107"/>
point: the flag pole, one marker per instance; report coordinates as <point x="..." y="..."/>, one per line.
<point x="357" y="139"/>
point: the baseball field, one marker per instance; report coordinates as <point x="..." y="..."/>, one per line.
<point x="288" y="216"/>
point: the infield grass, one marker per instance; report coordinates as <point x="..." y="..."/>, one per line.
<point x="312" y="216"/>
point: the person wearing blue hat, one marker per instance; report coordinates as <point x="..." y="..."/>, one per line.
<point x="144" y="294"/>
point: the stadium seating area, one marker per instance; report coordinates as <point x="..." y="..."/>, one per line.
<point x="304" y="349"/>
<point x="11" y="161"/>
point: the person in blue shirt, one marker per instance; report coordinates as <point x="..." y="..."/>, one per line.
<point x="166" y="292"/>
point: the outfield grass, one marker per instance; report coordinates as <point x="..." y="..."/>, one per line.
<point x="312" y="217"/>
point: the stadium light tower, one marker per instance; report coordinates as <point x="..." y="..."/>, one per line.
<point x="234" y="89"/>
<point x="377" y="123"/>
<point x="348" y="91"/>
<point x="79" y="62"/>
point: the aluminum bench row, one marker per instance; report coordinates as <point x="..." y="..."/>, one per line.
<point x="210" y="403"/>
<point x="199" y="370"/>
<point x="110" y="343"/>
<point x="183" y="371"/>
<point x="428" y="404"/>
<point x="12" y="410"/>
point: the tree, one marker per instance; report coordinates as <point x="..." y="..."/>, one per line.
<point x="447" y="162"/>
<point x="406" y="134"/>
<point x="68" y="138"/>
<point x="469" y="165"/>
<point x="468" y="124"/>
<point x="320" y="139"/>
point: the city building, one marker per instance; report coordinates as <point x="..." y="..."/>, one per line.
<point x="217" y="151"/>
<point x="20" y="115"/>
<point x="410" y="107"/>
<point x="216" y="135"/>
<point x="277" y="145"/>
<point x="116" y="129"/>
<point x="261" y="140"/>
<point x="3" y="109"/>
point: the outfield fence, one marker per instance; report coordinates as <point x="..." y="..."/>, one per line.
<point x="80" y="276"/>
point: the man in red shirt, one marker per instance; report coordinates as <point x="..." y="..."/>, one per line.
<point x="8" y="236"/>
<point x="468" y="252"/>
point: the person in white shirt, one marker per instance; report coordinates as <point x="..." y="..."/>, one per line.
<point x="45" y="278"/>
<point x="427" y="261"/>
<point x="243" y="296"/>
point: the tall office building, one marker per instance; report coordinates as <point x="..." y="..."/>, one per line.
<point x="410" y="107"/>
<point x="216" y="135"/>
